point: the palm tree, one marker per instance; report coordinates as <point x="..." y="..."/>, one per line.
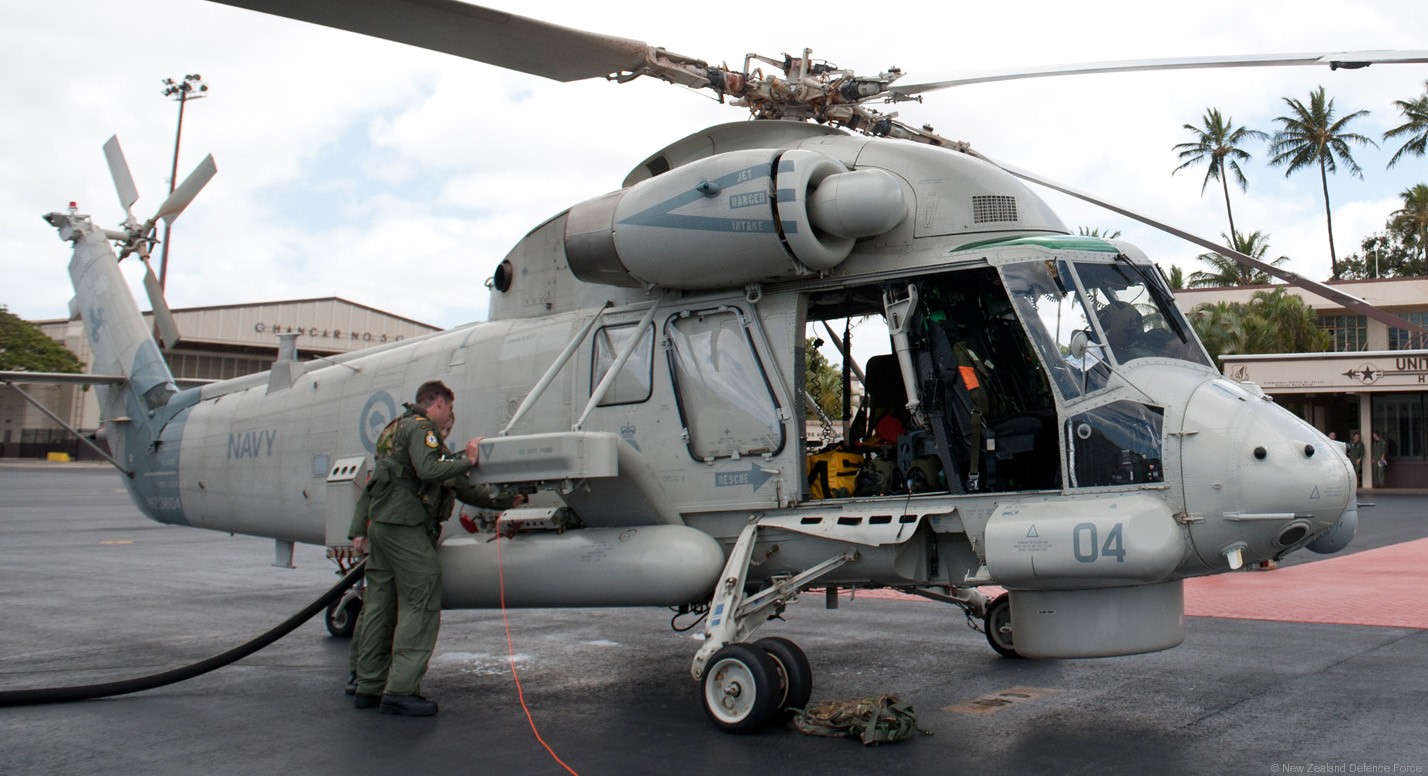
<point x="1217" y="143"/>
<point x="1309" y="135"/>
<point x="1416" y="111"/>
<point x="1220" y="327"/>
<point x="1289" y="325"/>
<point x="1412" y="219"/>
<point x="1108" y="234"/>
<point x="1228" y="272"/>
<point x="1271" y="321"/>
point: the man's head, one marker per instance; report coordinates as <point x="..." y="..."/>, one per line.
<point x="1354" y="437"/>
<point x="1123" y="323"/>
<point x="434" y="397"/>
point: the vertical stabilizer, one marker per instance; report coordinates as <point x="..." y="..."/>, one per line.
<point x="118" y="336"/>
<point x="143" y="423"/>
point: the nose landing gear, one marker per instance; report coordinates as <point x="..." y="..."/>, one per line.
<point x="998" y="626"/>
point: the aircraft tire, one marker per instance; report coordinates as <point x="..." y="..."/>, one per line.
<point x="997" y="625"/>
<point x="741" y="688"/>
<point x="795" y="674"/>
<point x="341" y="617"/>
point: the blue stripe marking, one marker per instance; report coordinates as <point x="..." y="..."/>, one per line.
<point x="662" y="215"/>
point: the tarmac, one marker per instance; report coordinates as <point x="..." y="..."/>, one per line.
<point x="1320" y="666"/>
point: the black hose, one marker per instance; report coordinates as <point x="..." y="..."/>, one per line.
<point x="92" y="691"/>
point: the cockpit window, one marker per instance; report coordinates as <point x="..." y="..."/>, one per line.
<point x="1046" y="296"/>
<point x="1136" y="313"/>
<point x="1115" y="444"/>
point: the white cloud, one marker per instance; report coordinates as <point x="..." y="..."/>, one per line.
<point x="346" y="162"/>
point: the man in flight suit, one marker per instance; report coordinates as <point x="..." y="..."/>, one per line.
<point x="459" y="487"/>
<point x="412" y="480"/>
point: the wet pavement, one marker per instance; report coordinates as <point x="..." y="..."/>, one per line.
<point x="92" y="591"/>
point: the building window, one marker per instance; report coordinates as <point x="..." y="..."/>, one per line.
<point x="1403" y="339"/>
<point x="1402" y="419"/>
<point x="1350" y="332"/>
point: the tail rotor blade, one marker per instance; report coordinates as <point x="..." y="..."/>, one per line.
<point x="163" y="317"/>
<point x="119" y="171"/>
<point x="186" y="191"/>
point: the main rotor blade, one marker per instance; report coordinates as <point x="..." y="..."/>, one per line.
<point x="1334" y="60"/>
<point x="163" y="316"/>
<point x="1328" y="292"/>
<point x="187" y="190"/>
<point x="119" y="171"/>
<point x="472" y="32"/>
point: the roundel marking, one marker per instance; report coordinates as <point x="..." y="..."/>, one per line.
<point x="379" y="410"/>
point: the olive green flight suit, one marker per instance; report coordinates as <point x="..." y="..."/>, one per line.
<point x="1356" y="457"/>
<point x="458" y="487"/>
<point x="402" y="605"/>
<point x="1379" y="448"/>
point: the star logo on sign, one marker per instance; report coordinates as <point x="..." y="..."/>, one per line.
<point x="1367" y="374"/>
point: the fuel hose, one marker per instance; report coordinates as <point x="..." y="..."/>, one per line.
<point x="123" y="687"/>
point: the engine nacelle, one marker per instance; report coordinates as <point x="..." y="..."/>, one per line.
<point x="731" y="220"/>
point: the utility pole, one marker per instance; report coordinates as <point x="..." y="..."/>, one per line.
<point x="190" y="87"/>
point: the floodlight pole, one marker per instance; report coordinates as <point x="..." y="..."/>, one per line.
<point x="183" y="91"/>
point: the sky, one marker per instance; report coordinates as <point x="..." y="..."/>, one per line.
<point x="398" y="178"/>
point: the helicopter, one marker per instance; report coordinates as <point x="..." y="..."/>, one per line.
<point x="1040" y="417"/>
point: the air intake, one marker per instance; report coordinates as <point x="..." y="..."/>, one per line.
<point x="988" y="208"/>
<point x="658" y="165"/>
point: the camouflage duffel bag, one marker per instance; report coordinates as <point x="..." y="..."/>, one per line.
<point x="873" y="720"/>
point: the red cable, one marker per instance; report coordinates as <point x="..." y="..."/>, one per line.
<point x="511" y="651"/>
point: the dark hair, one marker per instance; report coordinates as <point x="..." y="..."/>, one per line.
<point x="432" y="390"/>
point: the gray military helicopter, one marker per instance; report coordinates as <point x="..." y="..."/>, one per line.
<point x="1040" y="417"/>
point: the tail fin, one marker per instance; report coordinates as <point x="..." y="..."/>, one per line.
<point x="144" y="416"/>
<point x="118" y="336"/>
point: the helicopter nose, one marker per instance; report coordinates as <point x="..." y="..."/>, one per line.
<point x="1259" y="481"/>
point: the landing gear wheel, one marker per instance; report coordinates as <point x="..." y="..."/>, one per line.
<point x="795" y="674"/>
<point x="741" y="688"/>
<point x="998" y="626"/>
<point x="341" y="618"/>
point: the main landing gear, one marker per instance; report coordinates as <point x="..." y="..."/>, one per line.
<point x="341" y="617"/>
<point x="746" y="686"/>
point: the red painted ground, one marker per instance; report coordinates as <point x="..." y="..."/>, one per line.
<point x="1387" y="586"/>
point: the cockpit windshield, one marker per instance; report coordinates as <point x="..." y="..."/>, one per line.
<point x="1133" y="316"/>
<point x="1136" y="313"/>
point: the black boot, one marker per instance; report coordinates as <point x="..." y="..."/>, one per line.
<point x="407" y="705"/>
<point x="360" y="701"/>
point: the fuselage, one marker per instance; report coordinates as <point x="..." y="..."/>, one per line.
<point x="1098" y="449"/>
